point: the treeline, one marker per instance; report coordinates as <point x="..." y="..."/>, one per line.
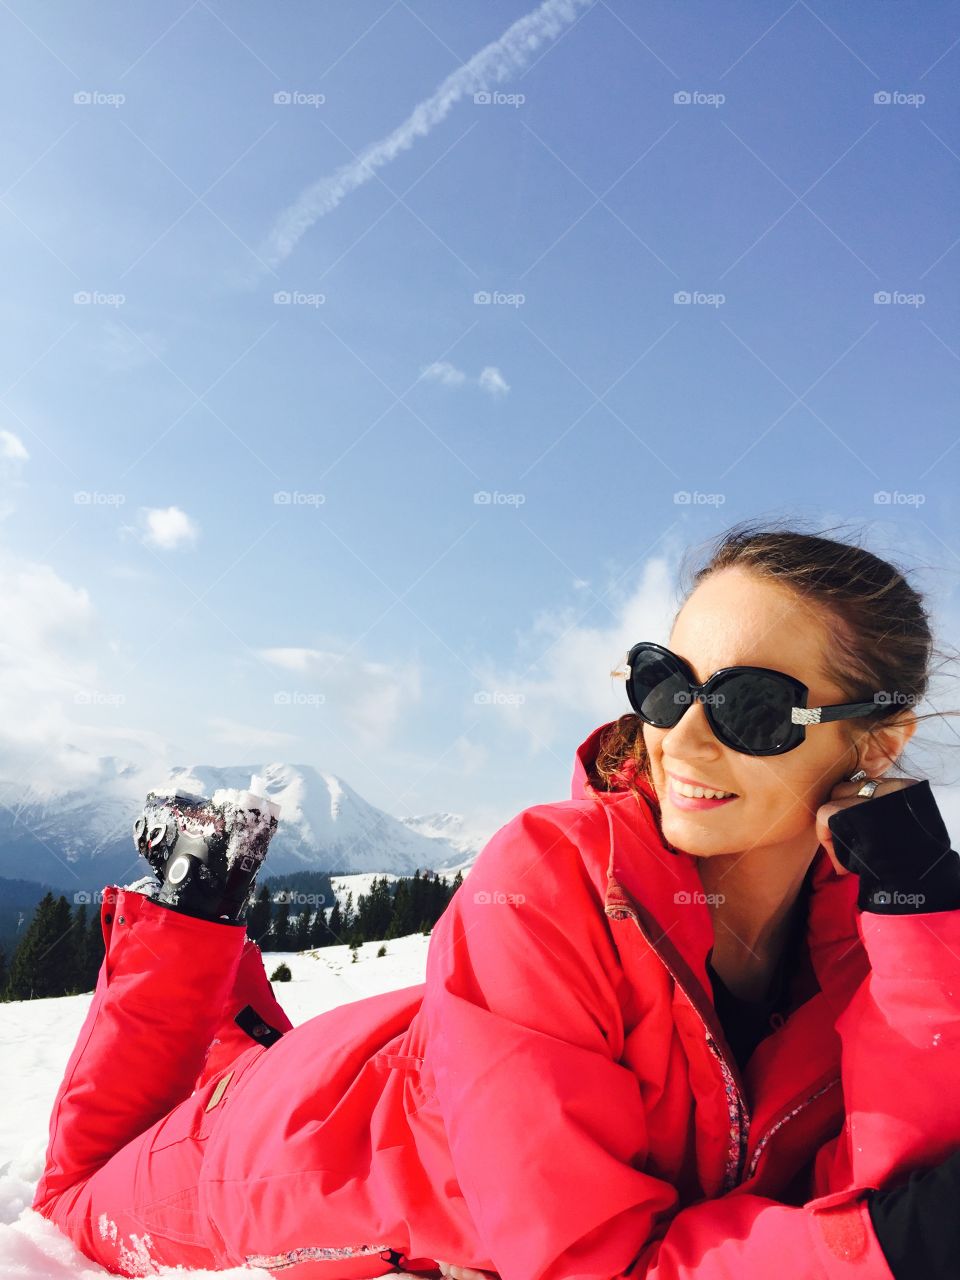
<point x="61" y="950"/>
<point x="292" y="920"/>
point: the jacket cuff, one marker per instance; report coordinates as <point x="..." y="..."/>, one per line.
<point x="899" y="846"/>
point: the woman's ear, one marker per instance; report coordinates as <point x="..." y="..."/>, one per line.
<point x="880" y="746"/>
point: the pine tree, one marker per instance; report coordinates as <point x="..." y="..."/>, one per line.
<point x="3" y="974"/>
<point x="94" y="951"/>
<point x="78" y="958"/>
<point x="302" y="929"/>
<point x="281" y="926"/>
<point x="258" y="915"/>
<point x="403" y="921"/>
<point x="43" y="958"/>
<point x="335" y="924"/>
<point x="320" y="935"/>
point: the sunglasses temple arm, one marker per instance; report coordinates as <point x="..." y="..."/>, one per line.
<point x="844" y="711"/>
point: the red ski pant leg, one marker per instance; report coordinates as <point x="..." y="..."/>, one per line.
<point x="126" y="1133"/>
<point x="251" y="987"/>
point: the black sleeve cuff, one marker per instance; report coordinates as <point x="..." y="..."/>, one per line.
<point x="917" y="1225"/>
<point x="899" y="846"/>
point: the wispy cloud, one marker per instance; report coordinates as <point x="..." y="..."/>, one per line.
<point x="13" y="454"/>
<point x="12" y="447"/>
<point x="490" y="379"/>
<point x="368" y="698"/>
<point x="504" y="57"/>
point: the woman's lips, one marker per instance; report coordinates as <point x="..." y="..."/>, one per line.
<point x="692" y="802"/>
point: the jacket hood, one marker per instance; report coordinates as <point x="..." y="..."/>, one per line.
<point x="664" y="878"/>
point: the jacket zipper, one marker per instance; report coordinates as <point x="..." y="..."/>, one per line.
<point x="738" y="1113"/>
<point x="787" y="1114"/>
<point x="737" y="1110"/>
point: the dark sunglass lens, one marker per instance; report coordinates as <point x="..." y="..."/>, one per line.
<point x="753" y="712"/>
<point x="660" y="690"/>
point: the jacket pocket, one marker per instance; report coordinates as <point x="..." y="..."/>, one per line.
<point x="195" y="1117"/>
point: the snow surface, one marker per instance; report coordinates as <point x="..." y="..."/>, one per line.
<point x="38" y="1037"/>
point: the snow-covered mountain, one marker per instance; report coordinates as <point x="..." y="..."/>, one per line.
<point x="449" y="829"/>
<point x="83" y="838"/>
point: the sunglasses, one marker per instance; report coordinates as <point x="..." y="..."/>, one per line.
<point x="755" y="710"/>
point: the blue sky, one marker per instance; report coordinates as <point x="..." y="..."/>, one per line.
<point x="251" y="389"/>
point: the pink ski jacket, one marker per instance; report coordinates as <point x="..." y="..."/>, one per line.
<point x="557" y="1100"/>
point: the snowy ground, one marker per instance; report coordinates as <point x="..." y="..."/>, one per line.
<point x="37" y="1038"/>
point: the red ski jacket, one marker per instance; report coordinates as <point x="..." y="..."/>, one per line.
<point x="557" y="1100"/>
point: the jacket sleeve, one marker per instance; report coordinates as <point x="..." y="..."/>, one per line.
<point x="900" y="1033"/>
<point x="547" y="1129"/>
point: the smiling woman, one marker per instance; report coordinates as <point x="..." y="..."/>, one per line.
<point x="663" y="1039"/>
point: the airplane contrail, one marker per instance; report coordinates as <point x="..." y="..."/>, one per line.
<point x="497" y="60"/>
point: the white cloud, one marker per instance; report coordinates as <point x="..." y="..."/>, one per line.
<point x="367" y="699"/>
<point x="168" y="528"/>
<point x="13" y="454"/>
<point x="565" y="661"/>
<point x="12" y="447"/>
<point x="497" y="61"/>
<point x="60" y="713"/>
<point x="234" y="734"/>
<point x="492" y="380"/>
<point x="445" y="373"/>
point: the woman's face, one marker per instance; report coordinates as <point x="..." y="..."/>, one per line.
<point x="736" y="618"/>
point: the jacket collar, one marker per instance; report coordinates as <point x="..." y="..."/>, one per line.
<point x="646" y="873"/>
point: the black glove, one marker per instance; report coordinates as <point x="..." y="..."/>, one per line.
<point x="898" y="845"/>
<point x="917" y="1224"/>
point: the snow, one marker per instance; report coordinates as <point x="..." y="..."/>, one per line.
<point x="38" y="1037"/>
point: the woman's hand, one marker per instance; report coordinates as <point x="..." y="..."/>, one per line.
<point x="843" y="795"/>
<point x="464" y="1273"/>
